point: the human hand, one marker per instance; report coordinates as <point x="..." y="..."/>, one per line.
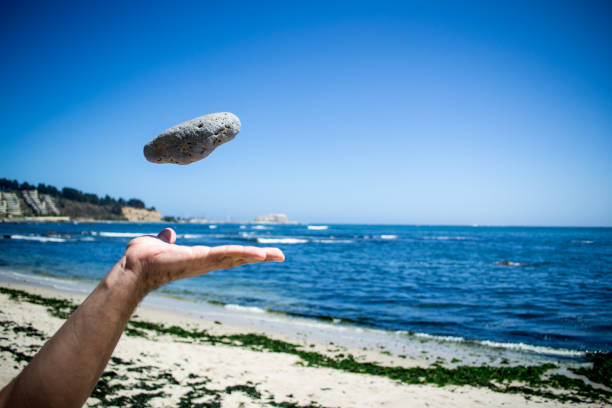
<point x="65" y="371"/>
<point x="156" y="260"/>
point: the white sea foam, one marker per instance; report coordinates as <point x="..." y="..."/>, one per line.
<point x="318" y="227"/>
<point x="191" y="236"/>
<point x="121" y="234"/>
<point x="212" y="226"/>
<point x="47" y="281"/>
<point x="533" y="349"/>
<point x="87" y="239"/>
<point x="260" y="227"/>
<point x="446" y="238"/>
<point x="37" y="238"/>
<point x="388" y="237"/>
<point x="333" y="241"/>
<point x="550" y="351"/>
<point x="251" y="309"/>
<point x="242" y="226"/>
<point x="451" y="339"/>
<point x="281" y="241"/>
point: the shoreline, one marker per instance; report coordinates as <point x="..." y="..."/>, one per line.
<point x="197" y="221"/>
<point x="290" y="326"/>
<point x="190" y="221"/>
<point x="356" y="369"/>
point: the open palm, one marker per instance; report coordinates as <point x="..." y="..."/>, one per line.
<point x="157" y="260"/>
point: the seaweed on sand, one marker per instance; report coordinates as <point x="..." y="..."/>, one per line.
<point x="532" y="379"/>
<point x="60" y="308"/>
<point x="526" y="380"/>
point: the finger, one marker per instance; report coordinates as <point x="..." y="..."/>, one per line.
<point x="274" y="255"/>
<point x="167" y="235"/>
<point x="235" y="252"/>
<point x="205" y="259"/>
<point x="250" y="253"/>
<point x="230" y="256"/>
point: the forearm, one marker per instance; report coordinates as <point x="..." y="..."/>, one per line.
<point x="67" y="368"/>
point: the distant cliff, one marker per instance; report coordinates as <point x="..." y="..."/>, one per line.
<point x="141" y="215"/>
<point x="273" y="219"/>
<point x="18" y="201"/>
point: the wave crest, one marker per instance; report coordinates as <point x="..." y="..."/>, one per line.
<point x="37" y="238"/>
<point x="281" y="241"/>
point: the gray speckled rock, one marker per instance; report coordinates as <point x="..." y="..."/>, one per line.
<point x="193" y="140"/>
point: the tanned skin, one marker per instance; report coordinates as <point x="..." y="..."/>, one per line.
<point x="65" y="371"/>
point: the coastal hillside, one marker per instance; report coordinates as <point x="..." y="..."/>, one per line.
<point x="46" y="202"/>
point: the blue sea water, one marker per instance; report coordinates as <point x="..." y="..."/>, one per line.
<point x="547" y="287"/>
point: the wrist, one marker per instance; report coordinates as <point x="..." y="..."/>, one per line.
<point x="126" y="281"/>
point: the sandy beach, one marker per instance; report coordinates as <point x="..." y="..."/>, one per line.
<point x="176" y="359"/>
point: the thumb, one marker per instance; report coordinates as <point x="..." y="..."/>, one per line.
<point x="167" y="235"/>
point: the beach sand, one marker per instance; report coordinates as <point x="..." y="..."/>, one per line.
<point x="162" y="367"/>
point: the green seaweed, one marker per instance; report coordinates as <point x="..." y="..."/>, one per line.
<point x="136" y="400"/>
<point x="601" y="369"/>
<point x="60" y="308"/>
<point x="526" y="380"/>
<point x="286" y="404"/>
<point x="130" y="331"/>
<point x="104" y="388"/>
<point x="28" y="330"/>
<point x="247" y="389"/>
<point x="18" y="356"/>
<point x="484" y="376"/>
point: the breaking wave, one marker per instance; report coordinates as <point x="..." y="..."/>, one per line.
<point x="109" y="234"/>
<point x="191" y="236"/>
<point x="281" y="241"/>
<point x="549" y="351"/>
<point x="446" y="238"/>
<point x="333" y="241"/>
<point x="388" y="237"/>
<point x="37" y="238"/>
<point x="251" y="309"/>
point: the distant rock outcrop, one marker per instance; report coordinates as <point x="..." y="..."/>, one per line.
<point x="140" y="215"/>
<point x="273" y="219"/>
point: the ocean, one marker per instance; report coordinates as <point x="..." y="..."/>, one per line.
<point x="534" y="287"/>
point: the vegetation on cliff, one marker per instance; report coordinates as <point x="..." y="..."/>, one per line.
<point x="75" y="203"/>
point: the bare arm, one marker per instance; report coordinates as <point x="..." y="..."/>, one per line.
<point x="65" y="371"/>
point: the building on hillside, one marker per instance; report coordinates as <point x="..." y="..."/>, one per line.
<point x="42" y="204"/>
<point x="9" y="205"/>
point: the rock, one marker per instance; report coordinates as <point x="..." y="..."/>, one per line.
<point x="140" y="214"/>
<point x="273" y="219"/>
<point x="193" y="140"/>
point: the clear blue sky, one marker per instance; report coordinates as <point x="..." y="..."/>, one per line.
<point x="407" y="112"/>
